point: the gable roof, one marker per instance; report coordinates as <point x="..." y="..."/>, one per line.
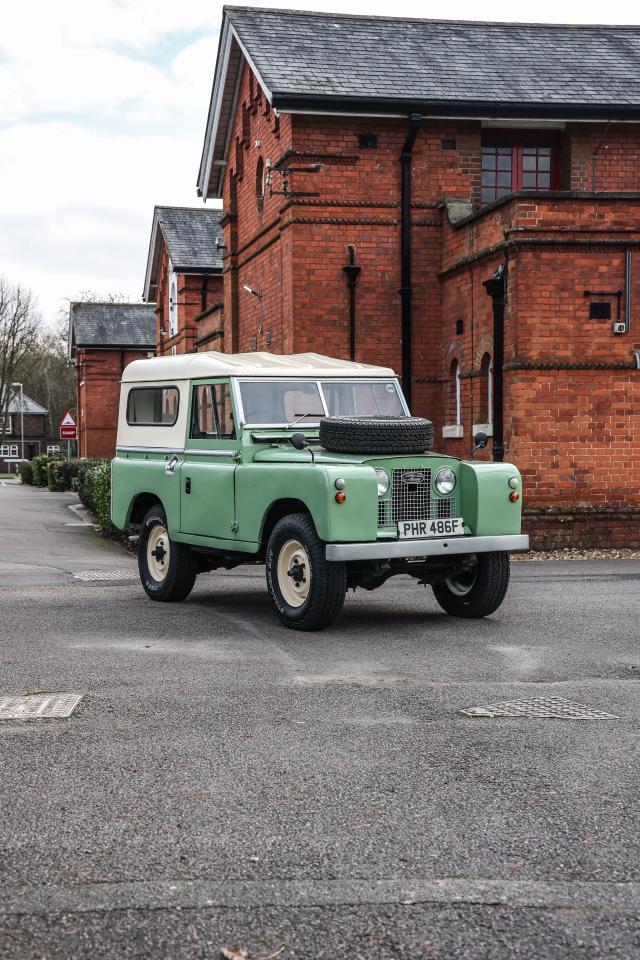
<point x="112" y="325"/>
<point x="193" y="237"/>
<point x="30" y="406"/>
<point x="386" y="65"/>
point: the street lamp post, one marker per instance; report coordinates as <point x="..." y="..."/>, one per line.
<point x="21" y="418"/>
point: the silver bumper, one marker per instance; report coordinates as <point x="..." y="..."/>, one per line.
<point x="389" y="549"/>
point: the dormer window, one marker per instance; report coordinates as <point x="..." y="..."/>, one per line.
<point x="518" y="160"/>
<point x="173" y="305"/>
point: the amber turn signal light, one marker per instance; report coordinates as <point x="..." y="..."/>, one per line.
<point x="514" y="496"/>
<point x="341" y="496"/>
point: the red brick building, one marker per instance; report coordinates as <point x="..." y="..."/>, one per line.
<point x="103" y="339"/>
<point x="184" y="279"/>
<point x="376" y="174"/>
<point x="26" y="433"/>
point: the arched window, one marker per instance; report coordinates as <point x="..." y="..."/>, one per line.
<point x="260" y="184"/>
<point x="455" y="372"/>
<point x="453" y="427"/>
<point x="173" y="306"/>
<point x="485" y="405"/>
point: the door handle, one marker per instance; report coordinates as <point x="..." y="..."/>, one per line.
<point x="187" y="485"/>
<point x="171" y="466"/>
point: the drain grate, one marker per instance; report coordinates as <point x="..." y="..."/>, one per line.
<point x="59" y="705"/>
<point x="537" y="708"/>
<point x="92" y="575"/>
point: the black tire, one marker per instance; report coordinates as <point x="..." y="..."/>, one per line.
<point x="181" y="564"/>
<point x="376" y="434"/>
<point x="479" y="593"/>
<point x="309" y="602"/>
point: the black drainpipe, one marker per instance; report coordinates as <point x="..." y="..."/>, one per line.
<point x="496" y="287"/>
<point x="352" y="272"/>
<point x="405" y="251"/>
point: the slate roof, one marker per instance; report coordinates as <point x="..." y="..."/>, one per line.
<point x="30" y="406"/>
<point x="113" y="325"/>
<point x="435" y="67"/>
<point x="327" y="55"/>
<point x="190" y="235"/>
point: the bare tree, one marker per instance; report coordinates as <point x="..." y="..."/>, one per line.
<point x="20" y="323"/>
<point x="47" y="373"/>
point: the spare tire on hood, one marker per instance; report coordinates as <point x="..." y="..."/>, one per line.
<point x="376" y="434"/>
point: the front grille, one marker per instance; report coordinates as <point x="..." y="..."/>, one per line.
<point x="411" y="499"/>
<point x="411" y="494"/>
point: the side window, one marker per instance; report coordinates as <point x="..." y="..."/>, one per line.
<point x="153" y="406"/>
<point x="211" y="412"/>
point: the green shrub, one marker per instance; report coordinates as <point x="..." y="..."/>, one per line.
<point x="40" y="473"/>
<point x="26" y="472"/>
<point x="98" y="482"/>
<point x="55" y="475"/>
<point x="84" y="487"/>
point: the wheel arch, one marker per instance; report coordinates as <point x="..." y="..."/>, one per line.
<point x="276" y="511"/>
<point x="140" y="504"/>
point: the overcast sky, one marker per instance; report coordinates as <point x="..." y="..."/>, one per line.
<point x="102" y="111"/>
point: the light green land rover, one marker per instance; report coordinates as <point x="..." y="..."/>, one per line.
<point x="312" y="466"/>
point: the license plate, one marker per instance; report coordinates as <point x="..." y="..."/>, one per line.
<point x="451" y="527"/>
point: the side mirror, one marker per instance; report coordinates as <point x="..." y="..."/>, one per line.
<point x="480" y="440"/>
<point x="299" y="441"/>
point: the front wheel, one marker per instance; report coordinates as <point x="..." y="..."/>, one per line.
<point x="167" y="569"/>
<point x="307" y="590"/>
<point x="478" y="591"/>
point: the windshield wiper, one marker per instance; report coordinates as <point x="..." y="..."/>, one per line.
<point x="301" y="416"/>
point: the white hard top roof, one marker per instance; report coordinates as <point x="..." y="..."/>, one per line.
<point x="189" y="366"/>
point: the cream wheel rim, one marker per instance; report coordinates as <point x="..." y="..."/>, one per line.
<point x="294" y="573"/>
<point x="158" y="553"/>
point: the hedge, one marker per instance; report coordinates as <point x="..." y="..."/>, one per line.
<point x="26" y="472"/>
<point x="40" y="467"/>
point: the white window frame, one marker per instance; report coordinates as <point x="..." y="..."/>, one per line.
<point x="8" y="450"/>
<point x="488" y="426"/>
<point x="456" y="429"/>
<point x="9" y="424"/>
<point x="173" y="304"/>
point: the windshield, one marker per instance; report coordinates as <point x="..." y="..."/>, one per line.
<point x="349" y="398"/>
<point x="281" y="403"/>
<point x="277" y="402"/>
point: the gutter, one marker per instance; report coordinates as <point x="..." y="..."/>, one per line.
<point x="405" y="252"/>
<point x="457" y="109"/>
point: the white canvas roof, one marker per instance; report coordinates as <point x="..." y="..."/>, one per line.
<point x="212" y="364"/>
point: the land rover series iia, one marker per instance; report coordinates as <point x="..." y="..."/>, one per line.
<point x="313" y="467"/>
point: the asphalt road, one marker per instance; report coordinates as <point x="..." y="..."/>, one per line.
<point x="226" y="782"/>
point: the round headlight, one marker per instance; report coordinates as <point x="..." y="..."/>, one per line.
<point x="383" y="482"/>
<point x="445" y="481"/>
<point x="513" y="482"/>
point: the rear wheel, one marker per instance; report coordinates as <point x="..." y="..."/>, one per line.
<point x="307" y="590"/>
<point x="478" y="591"/>
<point x="167" y="569"/>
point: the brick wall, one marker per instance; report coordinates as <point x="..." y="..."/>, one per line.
<point x="99" y="373"/>
<point x="566" y="428"/>
<point x="195" y="293"/>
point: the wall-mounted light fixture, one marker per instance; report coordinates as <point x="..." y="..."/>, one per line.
<point x="258" y="295"/>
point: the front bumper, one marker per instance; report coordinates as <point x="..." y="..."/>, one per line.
<point x="390" y="549"/>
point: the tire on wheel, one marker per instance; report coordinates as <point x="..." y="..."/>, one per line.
<point x="167" y="569"/>
<point x="307" y="590"/>
<point x="376" y="434"/>
<point x="478" y="592"/>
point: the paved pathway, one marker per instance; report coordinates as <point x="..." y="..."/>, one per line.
<point x="225" y="781"/>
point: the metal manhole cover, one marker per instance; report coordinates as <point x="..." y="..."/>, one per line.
<point x="60" y="705"/>
<point x="91" y="575"/>
<point x="538" y="708"/>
